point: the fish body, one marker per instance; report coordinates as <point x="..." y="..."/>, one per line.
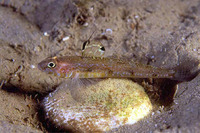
<point x="89" y="67"/>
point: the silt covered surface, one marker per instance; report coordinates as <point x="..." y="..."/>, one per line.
<point x="159" y="33"/>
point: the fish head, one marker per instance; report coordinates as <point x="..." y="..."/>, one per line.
<point x="48" y="65"/>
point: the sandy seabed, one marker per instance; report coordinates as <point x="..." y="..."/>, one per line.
<point x="160" y="33"/>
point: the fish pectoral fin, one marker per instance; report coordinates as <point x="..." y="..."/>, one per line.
<point x="78" y="87"/>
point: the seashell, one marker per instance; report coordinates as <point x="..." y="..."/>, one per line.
<point x="103" y="106"/>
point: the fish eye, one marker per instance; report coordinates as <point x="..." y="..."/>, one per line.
<point x="51" y="65"/>
<point x="102" y="48"/>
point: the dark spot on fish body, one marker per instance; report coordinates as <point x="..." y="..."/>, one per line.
<point x="132" y="73"/>
<point x="154" y="75"/>
<point x="90" y="69"/>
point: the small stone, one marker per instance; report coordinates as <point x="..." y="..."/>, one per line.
<point x="109" y="31"/>
<point x="66" y="38"/>
<point x="33" y="66"/>
<point x="86" y="24"/>
<point x="136" y="16"/>
<point x="37" y="48"/>
<point x="46" y="34"/>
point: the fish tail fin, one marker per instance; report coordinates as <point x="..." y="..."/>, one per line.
<point x="187" y="71"/>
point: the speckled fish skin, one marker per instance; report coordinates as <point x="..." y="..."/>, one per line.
<point x="89" y="67"/>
